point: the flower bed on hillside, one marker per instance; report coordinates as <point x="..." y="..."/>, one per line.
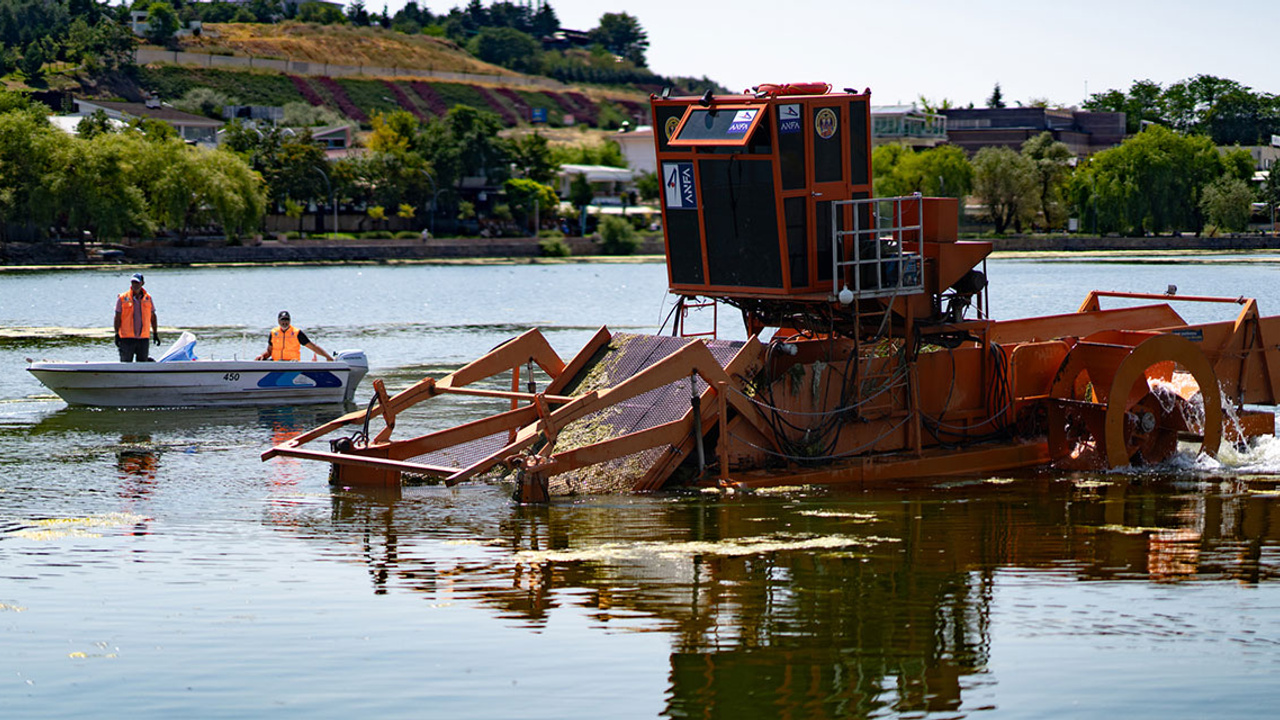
<point x="307" y="92"/>
<point x="345" y="105"/>
<point x="435" y="104"/>
<point x="509" y="118"/>
<point x="405" y="101"/>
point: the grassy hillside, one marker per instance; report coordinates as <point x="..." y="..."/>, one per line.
<point x="359" y="97"/>
<point x="338" y="44"/>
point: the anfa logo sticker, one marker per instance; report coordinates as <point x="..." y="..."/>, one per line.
<point x="788" y="119"/>
<point x="677" y="186"/>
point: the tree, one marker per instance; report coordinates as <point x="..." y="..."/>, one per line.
<point x="617" y="236"/>
<point x="465" y="143"/>
<point x="532" y="156"/>
<point x="1238" y="163"/>
<point x="622" y="35"/>
<point x="290" y="166"/>
<point x="648" y="186"/>
<point x="580" y="196"/>
<point x="529" y="197"/>
<point x="940" y="172"/>
<point x="607" y="152"/>
<point x="1149" y="183"/>
<point x="357" y="14"/>
<point x="394" y="132"/>
<point x="105" y="45"/>
<point x="301" y="114"/>
<point x="1006" y="182"/>
<point x="205" y="101"/>
<point x="1227" y="204"/>
<point x="544" y="21"/>
<point x="96" y="190"/>
<point x="1052" y="160"/>
<point x="507" y="47"/>
<point x="29" y="151"/>
<point x="94" y="124"/>
<point x="162" y="23"/>
<point x="997" y="98"/>
<point x="321" y="13"/>
<point x="34" y="56"/>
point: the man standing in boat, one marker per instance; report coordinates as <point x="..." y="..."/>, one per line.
<point x="286" y="342"/>
<point x="135" y="323"/>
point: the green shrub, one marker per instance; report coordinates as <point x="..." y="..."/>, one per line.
<point x="376" y="235"/>
<point x="617" y="237"/>
<point x="407" y="235"/>
<point x="553" y="247"/>
<point x="550" y="234"/>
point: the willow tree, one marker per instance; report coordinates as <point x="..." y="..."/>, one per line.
<point x="192" y="187"/>
<point x="1053" y="161"/>
<point x="936" y="172"/>
<point x="1227" y="204"/>
<point x="1006" y="182"/>
<point x="28" y="148"/>
<point x="1150" y="183"/>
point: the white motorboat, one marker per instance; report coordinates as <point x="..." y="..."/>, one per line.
<point x="179" y="379"/>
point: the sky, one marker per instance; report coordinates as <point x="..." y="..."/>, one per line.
<point x="947" y="50"/>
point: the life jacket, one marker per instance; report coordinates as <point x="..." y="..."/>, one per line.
<point x="284" y="344"/>
<point x="128" y="306"/>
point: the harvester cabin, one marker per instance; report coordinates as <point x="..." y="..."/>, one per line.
<point x="752" y="185"/>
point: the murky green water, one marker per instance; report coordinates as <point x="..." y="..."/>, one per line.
<point x="152" y="567"/>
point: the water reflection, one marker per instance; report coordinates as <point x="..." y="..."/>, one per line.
<point x="136" y="462"/>
<point x="812" y="605"/>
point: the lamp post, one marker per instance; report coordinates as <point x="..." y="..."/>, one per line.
<point x="333" y="200"/>
<point x="431" y="219"/>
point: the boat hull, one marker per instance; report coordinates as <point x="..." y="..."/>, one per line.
<point x="201" y="383"/>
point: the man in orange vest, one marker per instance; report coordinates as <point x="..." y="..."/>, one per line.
<point x="286" y="342"/>
<point x="135" y="323"/>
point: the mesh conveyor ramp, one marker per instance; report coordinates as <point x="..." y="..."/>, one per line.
<point x="622" y="358"/>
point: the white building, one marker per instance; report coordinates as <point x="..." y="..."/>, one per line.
<point x="637" y="148"/>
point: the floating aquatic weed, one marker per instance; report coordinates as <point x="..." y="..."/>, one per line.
<point x="736" y="547"/>
<point x="860" y="517"/>
<point x="1130" y="530"/>
<point x="82" y="527"/>
<point x="5" y="607"/>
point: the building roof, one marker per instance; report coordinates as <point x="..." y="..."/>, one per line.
<point x="165" y="113"/>
<point x="70" y="123"/>
<point x="598" y="173"/>
<point x="897" y="109"/>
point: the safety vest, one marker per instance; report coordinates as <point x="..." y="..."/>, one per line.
<point x="284" y="344"/>
<point x="128" y="306"/>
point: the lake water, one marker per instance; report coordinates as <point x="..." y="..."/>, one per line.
<point x="152" y="567"/>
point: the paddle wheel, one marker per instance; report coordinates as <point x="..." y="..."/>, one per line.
<point x="870" y="357"/>
<point x="1124" y="398"/>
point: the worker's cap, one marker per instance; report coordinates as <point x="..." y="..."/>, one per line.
<point x="284" y="315"/>
<point x="137" y="277"/>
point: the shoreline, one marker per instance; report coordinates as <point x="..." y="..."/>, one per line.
<point x="35" y="257"/>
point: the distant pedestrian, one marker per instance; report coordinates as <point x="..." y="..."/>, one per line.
<point x="135" y="322"/>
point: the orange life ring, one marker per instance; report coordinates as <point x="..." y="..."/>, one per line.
<point x="813" y="88"/>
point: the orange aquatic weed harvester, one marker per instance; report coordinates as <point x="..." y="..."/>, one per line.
<point x="869" y="358"/>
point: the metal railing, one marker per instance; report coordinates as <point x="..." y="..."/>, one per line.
<point x="871" y="261"/>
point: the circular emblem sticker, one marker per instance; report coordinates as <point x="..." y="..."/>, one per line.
<point x="826" y="123"/>
<point x="672" y="123"/>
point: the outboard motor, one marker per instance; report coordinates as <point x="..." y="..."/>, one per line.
<point x="359" y="363"/>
